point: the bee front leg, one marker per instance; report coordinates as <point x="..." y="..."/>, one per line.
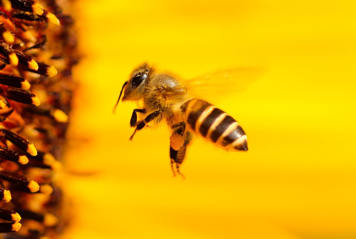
<point x="143" y="123"/>
<point x="133" y="120"/>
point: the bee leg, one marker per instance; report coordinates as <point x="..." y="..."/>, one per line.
<point x="176" y="159"/>
<point x="176" y="142"/>
<point x="177" y="169"/>
<point x="133" y="120"/>
<point x="179" y="128"/>
<point x="172" y="163"/>
<point x="177" y="137"/>
<point x="143" y="123"/>
<point x="177" y="156"/>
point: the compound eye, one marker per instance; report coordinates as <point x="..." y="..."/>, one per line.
<point x="137" y="79"/>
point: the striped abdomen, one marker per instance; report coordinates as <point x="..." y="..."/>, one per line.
<point x="214" y="125"/>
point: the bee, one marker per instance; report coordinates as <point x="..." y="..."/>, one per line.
<point x="165" y="97"/>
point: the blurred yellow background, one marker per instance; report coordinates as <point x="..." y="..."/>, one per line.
<point x="297" y="181"/>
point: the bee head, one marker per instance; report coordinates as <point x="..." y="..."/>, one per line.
<point x="134" y="87"/>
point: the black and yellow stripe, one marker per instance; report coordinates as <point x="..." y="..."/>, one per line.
<point x="215" y="125"/>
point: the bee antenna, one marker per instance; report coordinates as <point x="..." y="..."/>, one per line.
<point x="113" y="111"/>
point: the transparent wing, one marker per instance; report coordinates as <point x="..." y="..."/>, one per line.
<point x="223" y="83"/>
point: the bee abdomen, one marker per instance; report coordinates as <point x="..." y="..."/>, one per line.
<point x="215" y="125"/>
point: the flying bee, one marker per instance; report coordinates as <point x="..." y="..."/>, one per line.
<point x="166" y="97"/>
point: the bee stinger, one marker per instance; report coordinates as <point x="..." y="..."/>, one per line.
<point x="166" y="97"/>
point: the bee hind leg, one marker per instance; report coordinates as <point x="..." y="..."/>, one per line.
<point x="178" y="172"/>
<point x="177" y="137"/>
<point x="143" y="123"/>
<point x="172" y="167"/>
<point x="177" y="156"/>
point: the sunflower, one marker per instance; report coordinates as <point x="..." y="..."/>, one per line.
<point x="37" y="53"/>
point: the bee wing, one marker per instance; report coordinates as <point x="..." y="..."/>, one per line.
<point x="225" y="82"/>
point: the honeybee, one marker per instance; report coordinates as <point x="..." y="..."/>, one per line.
<point x="165" y="97"/>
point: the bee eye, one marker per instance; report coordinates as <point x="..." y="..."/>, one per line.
<point x="137" y="79"/>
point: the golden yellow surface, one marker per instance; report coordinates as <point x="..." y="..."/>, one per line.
<point x="297" y="181"/>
